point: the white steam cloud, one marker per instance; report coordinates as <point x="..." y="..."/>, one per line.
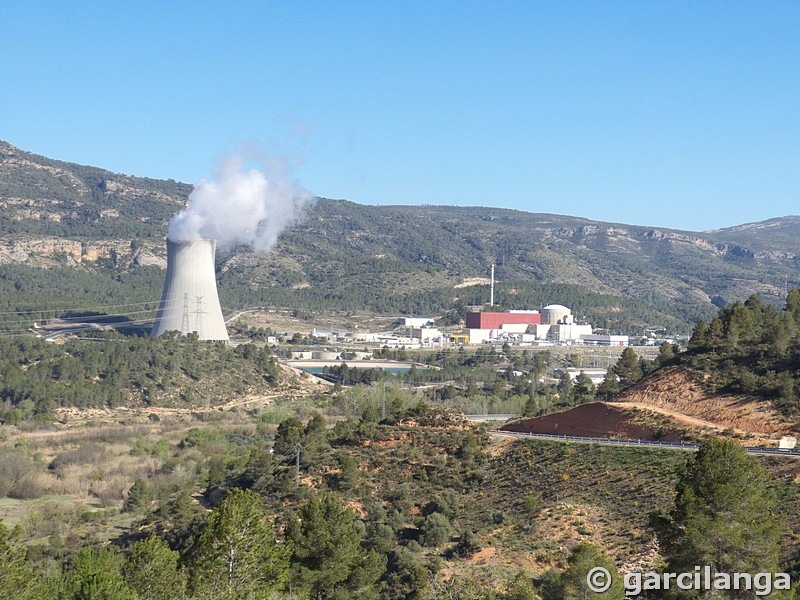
<point x="242" y="205"/>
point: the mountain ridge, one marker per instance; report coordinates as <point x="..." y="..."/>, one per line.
<point x="400" y="258"/>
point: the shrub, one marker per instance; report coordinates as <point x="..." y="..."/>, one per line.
<point x="14" y="467"/>
<point x="468" y="544"/>
<point x="27" y="488"/>
<point x="91" y="453"/>
<point x="532" y="505"/>
<point x="201" y="437"/>
<point x="436" y="530"/>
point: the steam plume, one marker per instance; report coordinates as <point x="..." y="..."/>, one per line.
<point x="242" y="206"/>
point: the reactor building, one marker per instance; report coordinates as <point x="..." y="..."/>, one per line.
<point x="190" y="302"/>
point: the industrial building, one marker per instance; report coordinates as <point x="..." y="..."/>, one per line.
<point x="416" y="321"/>
<point x="501" y="320"/>
<point x="606" y="340"/>
<point x="596" y="375"/>
<point x="553" y="324"/>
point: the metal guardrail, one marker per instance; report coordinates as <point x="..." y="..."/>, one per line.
<point x="794" y="453"/>
<point x="492" y="417"/>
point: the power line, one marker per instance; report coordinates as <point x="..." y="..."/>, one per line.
<point x="271" y="473"/>
<point x="33" y="310"/>
<point x="83" y="317"/>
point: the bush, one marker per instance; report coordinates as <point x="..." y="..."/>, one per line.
<point x="532" y="505"/>
<point x="201" y="437"/>
<point x="468" y="544"/>
<point x="27" y="488"/>
<point x="92" y="453"/>
<point x="16" y="475"/>
<point x="436" y="530"/>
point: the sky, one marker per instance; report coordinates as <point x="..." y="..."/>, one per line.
<point x="660" y="113"/>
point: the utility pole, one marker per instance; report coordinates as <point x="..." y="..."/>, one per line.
<point x="297" y="464"/>
<point x="383" y="403"/>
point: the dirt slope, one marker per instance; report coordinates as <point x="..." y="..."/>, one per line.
<point x="596" y="419"/>
<point x="677" y="390"/>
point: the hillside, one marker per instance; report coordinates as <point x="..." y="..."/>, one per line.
<point x="77" y="220"/>
<point x="439" y="499"/>
<point x="678" y="391"/>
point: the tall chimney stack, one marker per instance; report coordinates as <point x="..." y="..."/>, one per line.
<point x="491" y="293"/>
<point x="190" y="302"/>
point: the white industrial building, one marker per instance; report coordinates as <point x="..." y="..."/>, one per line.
<point x="596" y="375"/>
<point x="430" y="336"/>
<point x="416" y="321"/>
<point x="555" y="325"/>
<point x="605" y="340"/>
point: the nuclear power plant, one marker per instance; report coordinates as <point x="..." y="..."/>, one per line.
<point x="190" y="302"/>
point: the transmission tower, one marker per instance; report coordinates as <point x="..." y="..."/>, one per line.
<point x="185" y="320"/>
<point x="198" y="311"/>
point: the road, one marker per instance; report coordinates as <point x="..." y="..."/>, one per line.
<point x="794" y="453"/>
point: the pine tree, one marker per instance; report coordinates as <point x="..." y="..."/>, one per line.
<point x="666" y="354"/>
<point x="436" y="530"/>
<point x="151" y="570"/>
<point x="723" y="515"/>
<point x="95" y="574"/>
<point x="16" y="579"/>
<point x="564" y="387"/>
<point x="521" y="588"/>
<point x="581" y="561"/>
<point x="328" y="559"/>
<point x="237" y="554"/>
<point x="627" y="368"/>
<point x="699" y="340"/>
<point x="552" y="585"/>
<point x="138" y="496"/>
<point x="290" y="433"/>
<point x="584" y="388"/>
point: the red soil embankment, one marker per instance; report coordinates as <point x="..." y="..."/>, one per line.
<point x="596" y="419"/>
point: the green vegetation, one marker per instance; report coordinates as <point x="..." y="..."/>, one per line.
<point x="29" y="295"/>
<point x="386" y="508"/>
<point x="751" y="348"/>
<point x="237" y="555"/>
<point x="581" y="561"/>
<point x="375" y="489"/>
<point x="38" y="377"/>
<point x="724" y="515"/>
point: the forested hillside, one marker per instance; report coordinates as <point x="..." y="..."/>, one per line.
<point x="753" y="349"/>
<point x="108" y="229"/>
<point x="746" y="355"/>
<point x="37" y="377"/>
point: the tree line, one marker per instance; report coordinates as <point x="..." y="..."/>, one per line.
<point x="36" y="376"/>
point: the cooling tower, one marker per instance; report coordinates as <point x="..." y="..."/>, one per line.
<point x="190" y="302"/>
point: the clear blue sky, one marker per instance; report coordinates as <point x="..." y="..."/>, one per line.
<point x="674" y="114"/>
